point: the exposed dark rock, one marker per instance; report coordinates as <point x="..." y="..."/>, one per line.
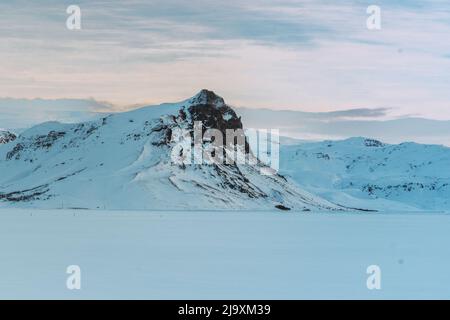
<point x="281" y="207"/>
<point x="47" y="141"/>
<point x="15" y="152"/>
<point x="214" y="113"/>
<point x="25" y="195"/>
<point x="373" y="143"/>
<point x="321" y="155"/>
<point x="7" y="137"/>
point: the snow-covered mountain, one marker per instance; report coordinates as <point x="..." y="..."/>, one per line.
<point x="125" y="161"/>
<point x="6" y="137"/>
<point x="361" y="172"/>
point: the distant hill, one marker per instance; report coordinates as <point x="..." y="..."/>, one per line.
<point x="367" y="173"/>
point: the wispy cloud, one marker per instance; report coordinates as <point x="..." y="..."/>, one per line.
<point x="297" y="54"/>
<point x="376" y="123"/>
<point x="22" y="113"/>
<point x="371" y="123"/>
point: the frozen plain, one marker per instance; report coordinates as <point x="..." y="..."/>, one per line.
<point x="223" y="255"/>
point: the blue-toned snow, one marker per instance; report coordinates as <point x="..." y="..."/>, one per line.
<point x="223" y="255"/>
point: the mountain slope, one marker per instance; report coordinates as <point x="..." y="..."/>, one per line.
<point x="368" y="173"/>
<point x="126" y="161"/>
<point x="334" y="125"/>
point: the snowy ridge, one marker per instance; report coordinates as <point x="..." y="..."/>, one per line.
<point x="123" y="161"/>
<point x="368" y="173"/>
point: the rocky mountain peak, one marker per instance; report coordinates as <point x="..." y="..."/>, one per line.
<point x="213" y="112"/>
<point x="207" y="97"/>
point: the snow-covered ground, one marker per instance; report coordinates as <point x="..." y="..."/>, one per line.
<point x="212" y="255"/>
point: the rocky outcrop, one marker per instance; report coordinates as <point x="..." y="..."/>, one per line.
<point x="7" y="137"/>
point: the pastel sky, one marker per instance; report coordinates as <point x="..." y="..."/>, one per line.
<point x="311" y="55"/>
